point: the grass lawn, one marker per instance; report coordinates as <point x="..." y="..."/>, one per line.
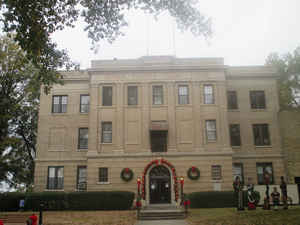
<point x="86" y="217"/>
<point x="230" y="216"/>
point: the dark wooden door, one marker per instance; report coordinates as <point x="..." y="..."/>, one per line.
<point x="160" y="185"/>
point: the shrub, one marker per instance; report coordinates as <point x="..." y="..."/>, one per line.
<point x="10" y="201"/>
<point x="214" y="199"/>
<point x="110" y="200"/>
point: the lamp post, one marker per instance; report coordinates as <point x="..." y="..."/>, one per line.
<point x="267" y="181"/>
<point x="139" y="185"/>
<point x="41" y="214"/>
<point x="181" y="189"/>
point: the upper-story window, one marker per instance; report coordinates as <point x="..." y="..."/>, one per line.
<point x="211" y="130"/>
<point x="59" y="103"/>
<point x="183" y="94"/>
<point x="55" y="178"/>
<point x="106" y="132"/>
<point x="209" y="94"/>
<point x="157" y="95"/>
<point x="232" y="100"/>
<point x="132" y="95"/>
<point x="261" y="134"/>
<point x="257" y="99"/>
<point x="84" y="103"/>
<point x="107" y="96"/>
<point x="83" y="138"/>
<point x="235" y="137"/>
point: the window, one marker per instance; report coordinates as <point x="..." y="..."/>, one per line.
<point x="157" y="95"/>
<point x="83" y="138"/>
<point x="106" y="132"/>
<point x="209" y="94"/>
<point x="216" y="172"/>
<point x="264" y="173"/>
<point x="103" y="175"/>
<point x="132" y="95"/>
<point x="59" y="103"/>
<point x="84" y="103"/>
<point x="81" y="178"/>
<point x="235" y="138"/>
<point x="261" y="134"/>
<point x="238" y="171"/>
<point x="183" y="94"/>
<point x="232" y="100"/>
<point x="159" y="141"/>
<point x="55" y="178"/>
<point x="211" y="130"/>
<point x="257" y="99"/>
<point x="107" y="96"/>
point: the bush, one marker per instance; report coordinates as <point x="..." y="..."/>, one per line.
<point x="214" y="199"/>
<point x="110" y="200"/>
<point x="10" y="201"/>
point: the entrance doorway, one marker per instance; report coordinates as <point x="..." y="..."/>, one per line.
<point x="160" y="185"/>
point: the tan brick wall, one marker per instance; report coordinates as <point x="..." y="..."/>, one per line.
<point x="290" y="131"/>
<point x="187" y="142"/>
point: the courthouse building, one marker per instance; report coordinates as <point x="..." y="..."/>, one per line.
<point x="159" y="118"/>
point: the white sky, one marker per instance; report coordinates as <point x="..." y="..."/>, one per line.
<point x="245" y="32"/>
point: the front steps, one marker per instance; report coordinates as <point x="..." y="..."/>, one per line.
<point x="161" y="212"/>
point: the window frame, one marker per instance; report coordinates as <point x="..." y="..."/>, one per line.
<point x="241" y="165"/>
<point x="129" y="103"/>
<point x="102" y="132"/>
<point x="255" y="102"/>
<point x="261" y="126"/>
<point x="264" y="165"/>
<point x="56" y="183"/>
<point x="161" y="95"/>
<point x="110" y="101"/>
<point x="105" y="180"/>
<point x="80" y="106"/>
<point x="79" y="139"/>
<point x="231" y="136"/>
<point x="213" y="172"/>
<point x="205" y="94"/>
<point x="215" y="130"/>
<point x="77" y="180"/>
<point x="60" y="105"/>
<point x="233" y="100"/>
<point x="187" y="96"/>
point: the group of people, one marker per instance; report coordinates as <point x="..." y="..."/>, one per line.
<point x="238" y="187"/>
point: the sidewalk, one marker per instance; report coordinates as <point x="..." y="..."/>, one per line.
<point x="161" y="222"/>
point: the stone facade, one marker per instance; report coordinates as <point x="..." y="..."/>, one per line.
<point x="188" y="144"/>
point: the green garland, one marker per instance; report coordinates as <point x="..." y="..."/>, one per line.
<point x="193" y="173"/>
<point x="126" y="174"/>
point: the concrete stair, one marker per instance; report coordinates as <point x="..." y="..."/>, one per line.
<point x="161" y="212"/>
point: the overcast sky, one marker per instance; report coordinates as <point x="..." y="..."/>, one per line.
<point x="245" y="32"/>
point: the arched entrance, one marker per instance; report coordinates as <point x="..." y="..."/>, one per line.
<point x="159" y="185"/>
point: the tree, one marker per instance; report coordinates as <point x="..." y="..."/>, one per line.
<point x="288" y="67"/>
<point x="19" y="94"/>
<point x="34" y="21"/>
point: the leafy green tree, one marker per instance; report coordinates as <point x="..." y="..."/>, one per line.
<point x="288" y="67"/>
<point x="19" y="94"/>
<point x="34" y="21"/>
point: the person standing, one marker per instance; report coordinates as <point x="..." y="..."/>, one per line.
<point x="238" y="191"/>
<point x="283" y="188"/>
<point x="275" y="198"/>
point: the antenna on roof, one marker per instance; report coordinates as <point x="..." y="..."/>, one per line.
<point x="147" y="33"/>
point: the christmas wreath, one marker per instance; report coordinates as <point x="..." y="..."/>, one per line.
<point x="126" y="174"/>
<point x="193" y="173"/>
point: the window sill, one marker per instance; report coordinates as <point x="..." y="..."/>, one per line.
<point x="212" y="104"/>
<point x="233" y="110"/>
<point x="56" y="190"/>
<point x="217" y="181"/>
<point x="82" y="149"/>
<point x="236" y="147"/>
<point x="84" y="113"/>
<point x="259" y="110"/>
<point x="107" y="107"/>
<point x="58" y="114"/>
<point x="211" y="141"/>
<point x="103" y="182"/>
<point x="106" y="143"/>
<point x="263" y="146"/>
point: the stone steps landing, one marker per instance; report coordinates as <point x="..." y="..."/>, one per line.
<point x="161" y="212"/>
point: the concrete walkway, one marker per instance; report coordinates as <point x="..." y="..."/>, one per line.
<point x="161" y="222"/>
